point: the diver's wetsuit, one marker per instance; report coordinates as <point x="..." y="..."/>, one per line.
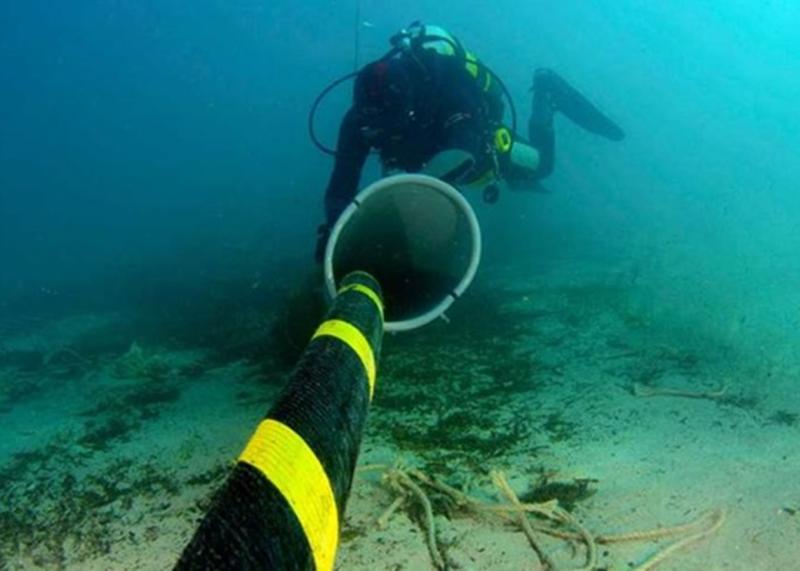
<point x="412" y="108"/>
<point x="445" y="108"/>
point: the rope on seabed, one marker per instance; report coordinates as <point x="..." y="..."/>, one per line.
<point x="646" y="391"/>
<point x="717" y="519"/>
<point x="500" y="482"/>
<point x="402" y="482"/>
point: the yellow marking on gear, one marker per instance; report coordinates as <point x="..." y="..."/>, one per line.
<point x="448" y="50"/>
<point x="353" y="338"/>
<point x="287" y="461"/>
<point x="474" y="69"/>
<point x="488" y="83"/>
<point x="502" y="140"/>
<point x="472" y="65"/>
<point x="484" y="179"/>
<point x="361" y="288"/>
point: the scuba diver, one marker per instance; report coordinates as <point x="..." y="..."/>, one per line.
<point x="432" y="107"/>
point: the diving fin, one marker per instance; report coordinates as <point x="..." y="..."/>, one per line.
<point x="564" y="98"/>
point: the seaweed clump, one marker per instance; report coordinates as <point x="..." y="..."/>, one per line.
<point x="784" y="418"/>
<point x="568" y="493"/>
<point x="115" y="418"/>
<point x="54" y="514"/>
<point x="100" y="435"/>
<point x="457" y="395"/>
<point x="138" y="363"/>
<point x="16" y="387"/>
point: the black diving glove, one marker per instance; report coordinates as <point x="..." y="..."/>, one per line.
<point x="323" y="233"/>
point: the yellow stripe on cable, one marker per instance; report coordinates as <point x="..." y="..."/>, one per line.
<point x="290" y="464"/>
<point x="353" y="338"/>
<point x="366" y="291"/>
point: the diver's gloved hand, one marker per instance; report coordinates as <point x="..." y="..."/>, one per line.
<point x="323" y="233"/>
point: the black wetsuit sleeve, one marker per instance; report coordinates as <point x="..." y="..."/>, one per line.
<point x="351" y="153"/>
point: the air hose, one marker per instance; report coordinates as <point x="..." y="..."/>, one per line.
<point x="391" y="53"/>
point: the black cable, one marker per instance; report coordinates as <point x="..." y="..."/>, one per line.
<point x="313" y="111"/>
<point x="511" y="107"/>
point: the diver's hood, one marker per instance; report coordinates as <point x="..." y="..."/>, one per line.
<point x="383" y="95"/>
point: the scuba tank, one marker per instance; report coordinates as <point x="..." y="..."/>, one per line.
<point x="409" y="41"/>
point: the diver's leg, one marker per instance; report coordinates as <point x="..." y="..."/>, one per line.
<point x="552" y="93"/>
<point x="534" y="159"/>
<point x="540" y="125"/>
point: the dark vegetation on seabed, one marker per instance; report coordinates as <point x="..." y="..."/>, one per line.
<point x="77" y="496"/>
<point x="65" y="502"/>
<point x="465" y="388"/>
<point x="231" y="318"/>
<point x="457" y="396"/>
<point x="56" y="510"/>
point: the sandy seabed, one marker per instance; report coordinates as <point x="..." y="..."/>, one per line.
<point x="559" y="379"/>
